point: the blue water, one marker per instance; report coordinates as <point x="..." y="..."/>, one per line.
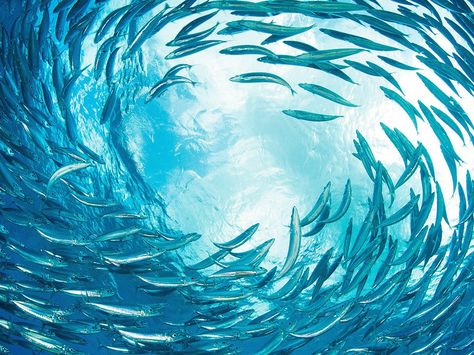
<point x="216" y="157"/>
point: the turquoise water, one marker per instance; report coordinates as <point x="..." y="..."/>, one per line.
<point x="107" y="208"/>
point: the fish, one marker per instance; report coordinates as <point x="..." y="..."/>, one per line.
<point x="211" y="260"/>
<point x="192" y="37"/>
<point x="160" y="87"/>
<point x="117" y="235"/>
<point x="366" y="69"/>
<point x="192" y="48"/>
<point x="318" y="207"/>
<point x="438" y="130"/>
<point x="109" y="21"/>
<point x="288" y="287"/>
<point x="329" y="54"/>
<point x="321" y="269"/>
<point x="326" y="93"/>
<point x="247" y="49"/>
<point x="401" y="213"/>
<point x="343" y="207"/>
<point x="320" y="224"/>
<point x="261" y="77"/>
<point x="63" y="171"/>
<point x="195" y="23"/>
<point x="269" y="28"/>
<point x="294" y="243"/>
<point x="385" y="74"/>
<point x="326" y="66"/>
<point x="127" y="311"/>
<point x="150" y="28"/>
<point x="357" y="40"/>
<point x="411" y="111"/>
<point x="152" y="338"/>
<point x="411" y="167"/>
<point x="314" y="331"/>
<point x="449" y="102"/>
<point x="109" y="107"/>
<point x="310" y="116"/>
<point x="301" y="46"/>
<point x="240" y="239"/>
<point x="396" y="63"/>
<point x="237" y="271"/>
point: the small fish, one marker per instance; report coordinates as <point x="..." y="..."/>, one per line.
<point x="411" y="167"/>
<point x="195" y="23"/>
<point x="147" y="31"/>
<point x="314" y="331"/>
<point x="325" y="7"/>
<point x="401" y="213"/>
<point x="130" y="258"/>
<point x="265" y="279"/>
<point x="449" y="102"/>
<point x="343" y="207"/>
<point x="90" y="153"/>
<point x="295" y="243"/>
<point x="310" y="116"/>
<point x="396" y="63"/>
<point x="358" y="41"/>
<point x="366" y="69"/>
<point x="109" y="107"/>
<point x="175" y="70"/>
<point x="64" y="171"/>
<point x="301" y="46"/>
<point x="439" y="131"/>
<point x="167" y="281"/>
<point x="192" y="48"/>
<point x="443" y="116"/>
<point x="240" y="239"/>
<point x="289" y="286"/>
<point x="211" y="260"/>
<point x="389" y="16"/>
<point x="237" y="271"/>
<point x="404" y="104"/>
<point x="247" y="49"/>
<point x="117" y="235"/>
<point x="109" y="21"/>
<point x="218" y="296"/>
<point x="261" y="77"/>
<point x="127" y="310"/>
<point x="379" y="25"/>
<point x="326" y="93"/>
<point x="318" y="207"/>
<point x="320" y="224"/>
<point x="47" y="314"/>
<point x="412" y="248"/>
<point x="159" y="88"/>
<point x="192" y="37"/>
<point x="385" y="74"/>
<point x="329" y="54"/>
<point x="151" y="338"/>
<point x="270" y="28"/>
<point x="321" y="269"/>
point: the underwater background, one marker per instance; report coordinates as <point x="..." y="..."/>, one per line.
<point x="232" y="176"/>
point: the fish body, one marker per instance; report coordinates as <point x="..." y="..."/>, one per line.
<point x="261" y="77"/>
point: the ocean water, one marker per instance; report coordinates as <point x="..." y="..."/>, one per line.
<point x="109" y="198"/>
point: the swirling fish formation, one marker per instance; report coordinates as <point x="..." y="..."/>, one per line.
<point x="87" y="269"/>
